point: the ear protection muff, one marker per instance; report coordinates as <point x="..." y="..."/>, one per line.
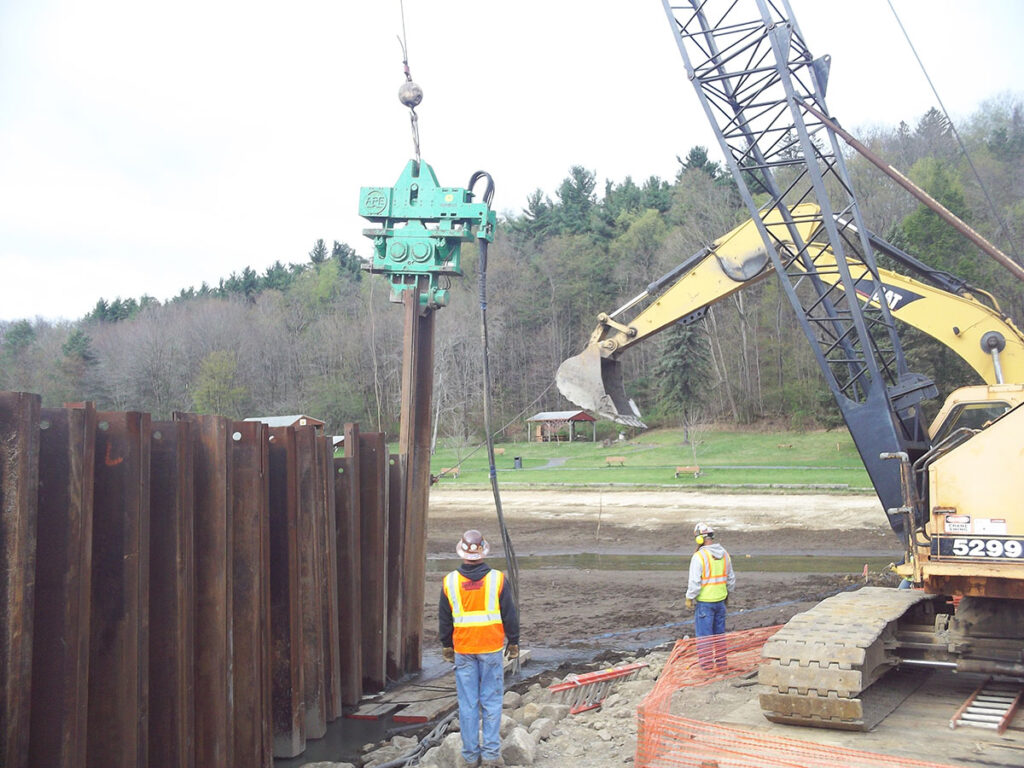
<point x="699" y="539"/>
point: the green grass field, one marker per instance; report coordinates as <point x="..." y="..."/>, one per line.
<point x="816" y="460"/>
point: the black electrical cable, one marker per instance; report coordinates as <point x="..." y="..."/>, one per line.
<point x="430" y="740"/>
<point x="510" y="555"/>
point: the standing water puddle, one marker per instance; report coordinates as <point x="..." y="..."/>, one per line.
<point x="602" y="562"/>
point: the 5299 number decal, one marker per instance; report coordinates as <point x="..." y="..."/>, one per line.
<point x="975" y="547"/>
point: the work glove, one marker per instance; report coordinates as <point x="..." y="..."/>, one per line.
<point x="448" y="654"/>
<point x="689" y="603"/>
<point x="512" y="651"/>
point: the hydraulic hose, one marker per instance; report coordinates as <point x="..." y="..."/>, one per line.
<point x="510" y="555"/>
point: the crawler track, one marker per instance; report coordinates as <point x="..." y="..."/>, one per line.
<point x="821" y="661"/>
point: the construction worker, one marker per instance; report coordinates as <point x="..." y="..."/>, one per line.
<point x="711" y="581"/>
<point x="475" y="616"/>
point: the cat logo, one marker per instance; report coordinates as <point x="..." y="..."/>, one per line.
<point x="895" y="298"/>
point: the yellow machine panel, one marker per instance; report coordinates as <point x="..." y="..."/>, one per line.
<point x="976" y="493"/>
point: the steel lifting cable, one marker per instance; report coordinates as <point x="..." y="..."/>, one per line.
<point x="1010" y="238"/>
<point x="507" y="424"/>
<point x="510" y="555"/>
<point x="410" y="94"/>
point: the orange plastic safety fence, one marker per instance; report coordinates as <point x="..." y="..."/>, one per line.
<point x="665" y="740"/>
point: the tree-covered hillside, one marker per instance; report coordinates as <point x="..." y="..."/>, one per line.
<point x="320" y="337"/>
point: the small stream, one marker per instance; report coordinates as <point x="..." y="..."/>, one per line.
<point x="791" y="563"/>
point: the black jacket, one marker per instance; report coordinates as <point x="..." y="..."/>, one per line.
<point x="509" y="613"/>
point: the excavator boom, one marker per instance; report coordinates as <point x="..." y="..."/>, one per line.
<point x="964" y="324"/>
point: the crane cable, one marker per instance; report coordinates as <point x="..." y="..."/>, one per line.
<point x="1010" y="238"/>
<point x="500" y="430"/>
<point x="410" y="94"/>
<point x="510" y="556"/>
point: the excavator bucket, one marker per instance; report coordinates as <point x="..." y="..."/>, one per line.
<point x="595" y="384"/>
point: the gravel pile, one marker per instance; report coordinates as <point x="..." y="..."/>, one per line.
<point x="538" y="731"/>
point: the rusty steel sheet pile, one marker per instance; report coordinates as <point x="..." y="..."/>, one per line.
<point x="197" y="591"/>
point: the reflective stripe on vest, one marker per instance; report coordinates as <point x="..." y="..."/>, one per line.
<point x="476" y="613"/>
<point x="713" y="577"/>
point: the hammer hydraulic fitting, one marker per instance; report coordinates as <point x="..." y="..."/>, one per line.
<point x="422" y="226"/>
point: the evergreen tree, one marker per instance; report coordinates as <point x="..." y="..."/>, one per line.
<point x="656" y="194"/>
<point x="931" y="238"/>
<point x="277" y="277"/>
<point x="100" y="313"/>
<point x="681" y="374"/>
<point x="349" y="265"/>
<point x="537" y="221"/>
<point x="934" y="131"/>
<point x="79" y="359"/>
<point x="697" y="160"/>
<point x="18" y="337"/>
<point x="247" y="284"/>
<point x="319" y="253"/>
<point x="576" y="200"/>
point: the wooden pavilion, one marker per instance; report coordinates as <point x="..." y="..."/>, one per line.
<point x="547" y="425"/>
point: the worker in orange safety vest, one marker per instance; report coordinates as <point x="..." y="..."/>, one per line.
<point x="476" y="615"/>
<point x="711" y="579"/>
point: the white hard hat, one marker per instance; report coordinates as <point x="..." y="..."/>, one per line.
<point x="703" y="529"/>
<point x="472" y="546"/>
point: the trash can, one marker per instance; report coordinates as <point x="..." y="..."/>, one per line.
<point x="517" y="462"/>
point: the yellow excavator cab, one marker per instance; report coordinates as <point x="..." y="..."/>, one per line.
<point x="974" y="408"/>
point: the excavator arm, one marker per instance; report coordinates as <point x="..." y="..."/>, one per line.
<point x="978" y="332"/>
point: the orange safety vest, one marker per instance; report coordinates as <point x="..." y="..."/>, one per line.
<point x="712" y="577"/>
<point x="476" y="613"/>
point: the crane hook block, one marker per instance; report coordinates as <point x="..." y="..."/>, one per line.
<point x="420" y="228"/>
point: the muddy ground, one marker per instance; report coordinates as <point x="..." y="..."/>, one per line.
<point x="576" y="608"/>
<point x="575" y="613"/>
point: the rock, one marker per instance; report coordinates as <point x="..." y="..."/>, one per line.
<point x="554" y="711"/>
<point x="382" y="755"/>
<point x="511" y="700"/>
<point x="405" y="743"/>
<point x="611" y="701"/>
<point x="573" y="749"/>
<point x="530" y="713"/>
<point x="519" y="748"/>
<point x="543" y="727"/>
<point x="507" y="724"/>
<point x="430" y="758"/>
<point x="448" y="752"/>
<point x="604" y="734"/>
<point x="328" y="765"/>
<point x="536" y="692"/>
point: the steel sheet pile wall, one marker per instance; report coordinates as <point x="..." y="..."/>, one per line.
<point x="193" y="592"/>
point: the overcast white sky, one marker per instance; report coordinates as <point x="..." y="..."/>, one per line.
<point x="147" y="147"/>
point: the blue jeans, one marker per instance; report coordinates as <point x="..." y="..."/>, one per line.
<point x="480" y="684"/>
<point x="709" y="619"/>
